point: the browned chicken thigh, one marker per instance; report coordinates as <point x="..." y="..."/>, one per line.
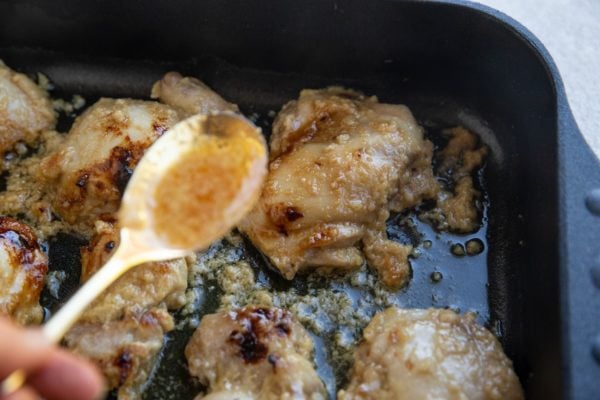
<point x="254" y="353"/>
<point x="122" y="331"/>
<point x="23" y="267"/>
<point x="340" y="162"/>
<point x="429" y="355"/>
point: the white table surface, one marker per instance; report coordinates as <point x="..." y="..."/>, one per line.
<point x="570" y="30"/>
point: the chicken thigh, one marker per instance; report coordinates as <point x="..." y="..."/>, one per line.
<point x="430" y="354"/>
<point x="254" y="353"/>
<point x="340" y="162"/>
<point x="122" y="331"/>
<point x="23" y="267"/>
<point x="25" y="110"/>
<point x="125" y="350"/>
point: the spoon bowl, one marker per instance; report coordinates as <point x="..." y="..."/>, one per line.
<point x="195" y="183"/>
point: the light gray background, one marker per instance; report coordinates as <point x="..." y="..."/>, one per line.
<point x="570" y="30"/>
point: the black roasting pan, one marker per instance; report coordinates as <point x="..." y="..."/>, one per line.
<point x="451" y="62"/>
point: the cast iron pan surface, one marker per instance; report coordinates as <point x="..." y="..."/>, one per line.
<point x="463" y="286"/>
<point x="452" y="63"/>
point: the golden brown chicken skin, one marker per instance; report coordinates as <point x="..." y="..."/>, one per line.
<point x="25" y="110"/>
<point x="123" y="330"/>
<point x="23" y="267"/>
<point x="430" y="354"/>
<point x="340" y="162"/>
<point x="254" y="353"/>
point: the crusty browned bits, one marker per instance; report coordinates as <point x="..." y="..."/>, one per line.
<point x="159" y="128"/>
<point x="257" y="324"/>
<point x="292" y="214"/>
<point x="282" y="215"/>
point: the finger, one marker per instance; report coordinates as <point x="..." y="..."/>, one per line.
<point x="25" y="349"/>
<point x="25" y="393"/>
<point x="65" y="376"/>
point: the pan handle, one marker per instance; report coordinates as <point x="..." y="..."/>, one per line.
<point x="579" y="244"/>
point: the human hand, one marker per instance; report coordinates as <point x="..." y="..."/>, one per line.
<point x="52" y="373"/>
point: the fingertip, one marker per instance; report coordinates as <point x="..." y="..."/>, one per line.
<point x="66" y="376"/>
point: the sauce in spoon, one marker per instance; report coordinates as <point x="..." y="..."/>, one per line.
<point x="202" y="199"/>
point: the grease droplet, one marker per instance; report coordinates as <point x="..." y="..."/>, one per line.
<point x="436" y="276"/>
<point x="457" y="249"/>
<point x="474" y="247"/>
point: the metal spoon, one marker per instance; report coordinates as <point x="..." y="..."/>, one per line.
<point x="191" y="187"/>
